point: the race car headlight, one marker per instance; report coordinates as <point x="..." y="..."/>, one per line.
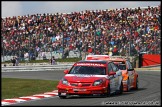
<point x="98" y="82"/>
<point x="64" y="81"/>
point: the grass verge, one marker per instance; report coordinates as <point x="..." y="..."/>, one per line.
<point x="14" y="88"/>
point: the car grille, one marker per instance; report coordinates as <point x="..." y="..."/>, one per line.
<point x="86" y="84"/>
<point x="74" y="84"/>
<point x="83" y="84"/>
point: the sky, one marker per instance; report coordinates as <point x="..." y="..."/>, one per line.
<point x="20" y="8"/>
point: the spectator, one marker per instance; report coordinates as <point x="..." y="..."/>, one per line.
<point x="26" y="56"/>
<point x="21" y="56"/>
<point x="53" y="60"/>
<point x="117" y="27"/>
<point x="17" y="61"/>
<point x="13" y="60"/>
<point x="43" y="55"/>
<point x="66" y="52"/>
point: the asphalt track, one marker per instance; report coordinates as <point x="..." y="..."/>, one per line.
<point x="148" y="93"/>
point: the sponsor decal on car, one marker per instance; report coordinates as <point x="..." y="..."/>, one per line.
<point x="86" y="75"/>
<point x="90" y="64"/>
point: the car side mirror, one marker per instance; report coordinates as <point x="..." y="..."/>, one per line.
<point x="112" y="73"/>
<point x="66" y="71"/>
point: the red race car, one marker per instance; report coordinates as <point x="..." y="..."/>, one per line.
<point x="91" y="77"/>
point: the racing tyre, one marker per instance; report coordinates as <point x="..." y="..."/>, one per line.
<point x="108" y="92"/>
<point x="136" y="88"/>
<point x="128" y="86"/>
<point x="61" y="97"/>
<point x="121" y="88"/>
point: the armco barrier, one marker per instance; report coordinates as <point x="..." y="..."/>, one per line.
<point x="36" y="68"/>
<point x="57" y="67"/>
<point x="38" y="64"/>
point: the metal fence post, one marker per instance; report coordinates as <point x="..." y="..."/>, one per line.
<point x="129" y="47"/>
<point x="19" y="44"/>
<point x="63" y="31"/>
<point x="80" y="45"/>
<point x="103" y="45"/>
<point x="95" y="42"/>
<point x="51" y="51"/>
<point x="140" y="60"/>
<point x="30" y="45"/>
<point x="63" y="46"/>
<point x="94" y="28"/>
<point x="3" y="50"/>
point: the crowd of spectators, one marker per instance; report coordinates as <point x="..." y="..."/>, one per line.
<point x="123" y="31"/>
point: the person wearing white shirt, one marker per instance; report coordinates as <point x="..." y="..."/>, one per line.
<point x="26" y="56"/>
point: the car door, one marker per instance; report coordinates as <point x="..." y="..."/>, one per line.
<point x="131" y="67"/>
<point x="118" y="76"/>
<point x="111" y="78"/>
<point x="130" y="72"/>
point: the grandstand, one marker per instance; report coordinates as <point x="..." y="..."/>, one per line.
<point x="124" y="31"/>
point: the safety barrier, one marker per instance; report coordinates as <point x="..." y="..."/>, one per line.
<point x="146" y="60"/>
<point x="36" y="68"/>
<point x="56" y="67"/>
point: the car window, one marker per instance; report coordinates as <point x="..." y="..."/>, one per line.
<point x="88" y="70"/>
<point x="109" y="67"/>
<point x="130" y="65"/>
<point x="122" y="66"/>
<point x="114" y="67"/>
<point x="117" y="69"/>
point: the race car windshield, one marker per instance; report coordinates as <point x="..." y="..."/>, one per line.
<point x="121" y="66"/>
<point x="89" y="70"/>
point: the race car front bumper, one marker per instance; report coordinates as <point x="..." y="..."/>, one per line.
<point x="64" y="90"/>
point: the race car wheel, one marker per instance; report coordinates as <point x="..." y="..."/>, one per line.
<point x="108" y="91"/>
<point x="136" y="88"/>
<point x="121" y="88"/>
<point x="128" y="85"/>
<point x="107" y="94"/>
<point x="62" y="97"/>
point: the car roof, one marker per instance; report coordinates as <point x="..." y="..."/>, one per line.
<point x="117" y="59"/>
<point x="97" y="57"/>
<point x="93" y="61"/>
<point x="105" y="58"/>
